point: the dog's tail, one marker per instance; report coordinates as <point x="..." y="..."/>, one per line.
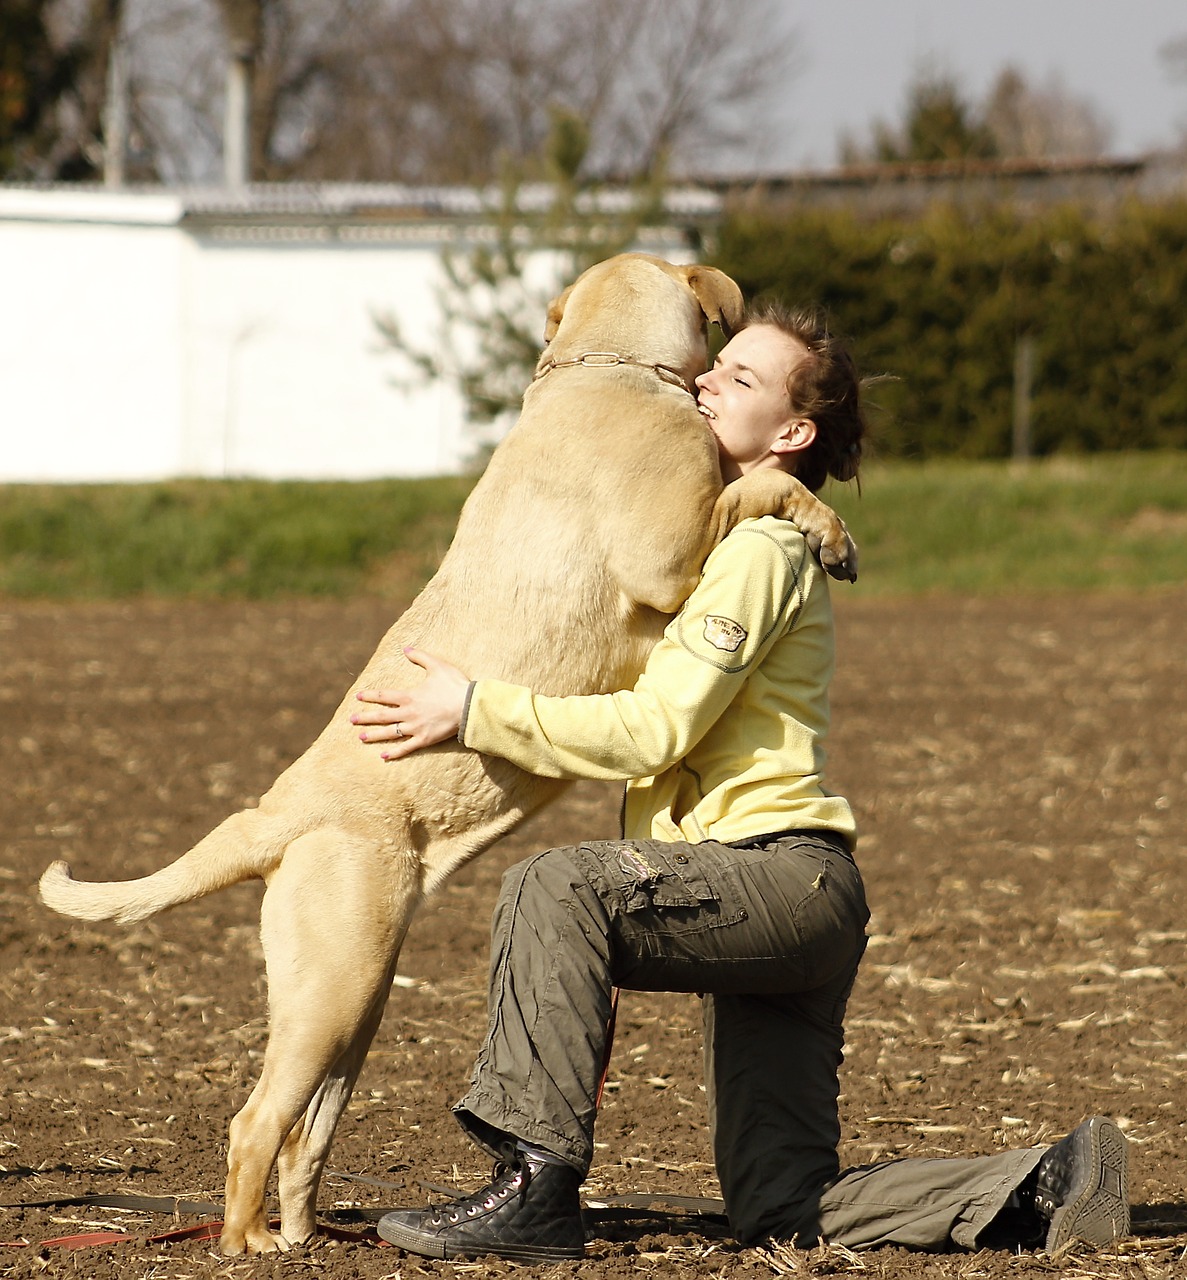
<point x="233" y="852"/>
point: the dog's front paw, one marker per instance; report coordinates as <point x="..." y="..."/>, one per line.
<point x="823" y="530"/>
<point x="253" y="1239"/>
<point x="838" y="554"/>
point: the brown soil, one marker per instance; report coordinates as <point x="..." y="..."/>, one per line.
<point x="1020" y="770"/>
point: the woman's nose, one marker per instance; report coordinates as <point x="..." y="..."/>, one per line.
<point x="702" y="379"/>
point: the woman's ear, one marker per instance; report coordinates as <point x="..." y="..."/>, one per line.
<point x="796" y="436"/>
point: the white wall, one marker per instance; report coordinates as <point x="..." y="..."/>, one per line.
<point x="136" y="345"/>
<point x="133" y="349"/>
<point x="89" y="351"/>
<point x="286" y="373"/>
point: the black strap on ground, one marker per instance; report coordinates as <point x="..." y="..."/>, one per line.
<point x="148" y="1204"/>
<point x="177" y="1205"/>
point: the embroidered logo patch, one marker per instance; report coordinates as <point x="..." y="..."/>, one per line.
<point x="724" y="633"/>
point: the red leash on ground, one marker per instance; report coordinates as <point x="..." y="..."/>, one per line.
<point x="611" y="1025"/>
<point x="200" y="1231"/>
<point x="159" y="1204"/>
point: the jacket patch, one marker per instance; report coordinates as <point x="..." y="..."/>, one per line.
<point x="724" y="633"/>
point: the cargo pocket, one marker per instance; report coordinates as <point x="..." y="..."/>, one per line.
<point x="655" y="876"/>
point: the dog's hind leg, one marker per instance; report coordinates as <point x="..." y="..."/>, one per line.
<point x="332" y="920"/>
<point x="306" y="1149"/>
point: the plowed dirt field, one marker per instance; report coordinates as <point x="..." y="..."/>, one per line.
<point x="1020" y="773"/>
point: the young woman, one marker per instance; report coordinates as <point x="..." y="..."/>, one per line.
<point x="735" y="879"/>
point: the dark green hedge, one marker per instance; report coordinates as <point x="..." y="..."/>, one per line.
<point x="939" y="302"/>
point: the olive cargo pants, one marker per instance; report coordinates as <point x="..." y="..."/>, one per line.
<point x="771" y="934"/>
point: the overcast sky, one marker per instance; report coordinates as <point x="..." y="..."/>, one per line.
<point x="858" y="56"/>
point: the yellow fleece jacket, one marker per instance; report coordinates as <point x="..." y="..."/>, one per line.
<point x="722" y="736"/>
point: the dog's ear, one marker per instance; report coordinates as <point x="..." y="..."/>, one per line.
<point x="556" y="309"/>
<point x="720" y="298"/>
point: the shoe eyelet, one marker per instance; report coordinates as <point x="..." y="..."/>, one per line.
<point x="455" y="1217"/>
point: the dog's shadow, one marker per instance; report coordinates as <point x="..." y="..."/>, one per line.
<point x="20" y="1172"/>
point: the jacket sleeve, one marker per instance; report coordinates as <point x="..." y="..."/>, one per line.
<point x="748" y="595"/>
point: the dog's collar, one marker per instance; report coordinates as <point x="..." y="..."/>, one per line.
<point x="608" y="360"/>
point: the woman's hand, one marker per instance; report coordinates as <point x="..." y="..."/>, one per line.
<point x="414" y="718"/>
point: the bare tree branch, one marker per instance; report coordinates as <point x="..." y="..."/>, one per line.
<point x="455" y="90"/>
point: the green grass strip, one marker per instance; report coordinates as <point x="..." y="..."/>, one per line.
<point x="243" y="539"/>
<point x="1091" y="523"/>
<point x="1100" y="522"/>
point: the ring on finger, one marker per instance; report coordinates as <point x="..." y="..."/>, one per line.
<point x="399" y="731"/>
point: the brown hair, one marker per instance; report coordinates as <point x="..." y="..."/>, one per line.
<point x="824" y="387"/>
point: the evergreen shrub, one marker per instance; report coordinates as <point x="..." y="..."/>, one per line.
<point x="938" y="305"/>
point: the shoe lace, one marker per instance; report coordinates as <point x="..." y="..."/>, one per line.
<point x="508" y="1179"/>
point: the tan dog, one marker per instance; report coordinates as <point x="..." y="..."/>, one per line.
<point x="586" y="532"/>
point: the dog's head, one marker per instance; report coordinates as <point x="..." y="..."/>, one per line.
<point x="656" y="308"/>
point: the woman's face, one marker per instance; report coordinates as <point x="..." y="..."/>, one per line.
<point x="744" y="401"/>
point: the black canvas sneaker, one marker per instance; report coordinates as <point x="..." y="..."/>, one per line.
<point x="1082" y="1186"/>
<point x="528" y="1213"/>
